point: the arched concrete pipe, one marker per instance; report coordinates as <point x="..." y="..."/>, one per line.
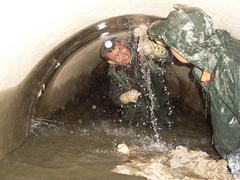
<point x="18" y="104"/>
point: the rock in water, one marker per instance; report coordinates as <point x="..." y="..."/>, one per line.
<point x="123" y="148"/>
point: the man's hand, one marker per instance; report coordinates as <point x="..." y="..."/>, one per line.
<point x="129" y="96"/>
<point x="147" y="46"/>
<point x="205" y="78"/>
<point x="158" y="49"/>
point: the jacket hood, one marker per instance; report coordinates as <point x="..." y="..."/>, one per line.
<point x="190" y="32"/>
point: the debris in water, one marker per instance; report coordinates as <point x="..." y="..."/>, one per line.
<point x="94" y="107"/>
<point x="178" y="163"/>
<point x="123" y="148"/>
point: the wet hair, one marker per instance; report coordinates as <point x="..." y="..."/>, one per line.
<point x="107" y="47"/>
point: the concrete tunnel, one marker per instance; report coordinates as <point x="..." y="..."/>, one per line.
<point x="49" y="52"/>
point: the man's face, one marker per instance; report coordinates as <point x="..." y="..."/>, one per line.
<point x="120" y="55"/>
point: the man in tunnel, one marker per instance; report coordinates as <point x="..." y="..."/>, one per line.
<point x="191" y="37"/>
<point x="137" y="85"/>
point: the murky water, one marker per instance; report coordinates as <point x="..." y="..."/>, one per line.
<point x="70" y="147"/>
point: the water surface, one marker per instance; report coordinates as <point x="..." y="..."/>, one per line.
<point x="83" y="145"/>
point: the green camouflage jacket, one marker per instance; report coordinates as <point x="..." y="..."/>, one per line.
<point x="190" y="32"/>
<point x="141" y="76"/>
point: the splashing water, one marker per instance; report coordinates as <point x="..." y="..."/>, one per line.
<point x="40" y="124"/>
<point x="234" y="164"/>
<point x="147" y="78"/>
<point x="144" y="48"/>
<point x="95" y="143"/>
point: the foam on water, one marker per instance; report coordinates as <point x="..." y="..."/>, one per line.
<point x="175" y="164"/>
<point x="234" y="164"/>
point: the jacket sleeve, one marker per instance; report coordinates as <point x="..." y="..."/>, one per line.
<point x="235" y="44"/>
<point x="229" y="79"/>
<point x="117" y="86"/>
<point x="225" y="87"/>
<point x="235" y="84"/>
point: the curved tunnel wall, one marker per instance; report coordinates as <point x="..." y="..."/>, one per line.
<point x="18" y="103"/>
<point x="73" y="76"/>
<point x="31" y="29"/>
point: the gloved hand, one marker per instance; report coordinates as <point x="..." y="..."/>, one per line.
<point x="158" y="49"/>
<point x="205" y="77"/>
<point x="129" y="96"/>
<point x="147" y="46"/>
